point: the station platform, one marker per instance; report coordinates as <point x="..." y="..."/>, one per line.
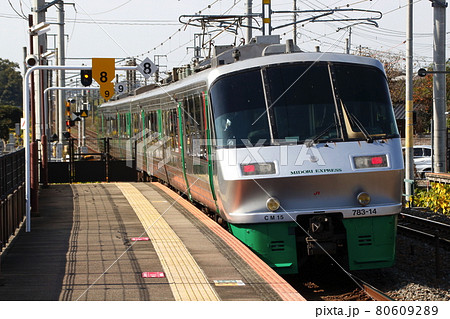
<point x="438" y="177"/>
<point x="131" y="241"/>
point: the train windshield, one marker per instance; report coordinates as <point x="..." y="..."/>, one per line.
<point x="300" y="102"/>
<point x="364" y="95"/>
<point x="240" y="110"/>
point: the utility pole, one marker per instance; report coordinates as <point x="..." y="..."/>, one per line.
<point x="34" y="167"/>
<point x="61" y="78"/>
<point x="249" y="20"/>
<point x="409" y="165"/>
<point x="439" y="89"/>
<point x="349" y="41"/>
<point x="295" y="22"/>
<point x="267" y="17"/>
<point x="38" y="41"/>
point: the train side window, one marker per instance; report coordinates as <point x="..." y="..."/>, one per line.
<point x="174" y="129"/>
<point x="201" y="126"/>
<point x="136" y="126"/>
<point x="198" y="133"/>
<point x="187" y="123"/>
<point x="154" y="122"/>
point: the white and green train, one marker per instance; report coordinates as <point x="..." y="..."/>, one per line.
<point x="298" y="152"/>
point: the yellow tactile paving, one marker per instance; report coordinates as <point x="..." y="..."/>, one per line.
<point x="186" y="279"/>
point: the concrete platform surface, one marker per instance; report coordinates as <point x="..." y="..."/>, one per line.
<point x="82" y="247"/>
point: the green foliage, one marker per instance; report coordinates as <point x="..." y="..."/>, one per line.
<point x="422" y="92"/>
<point x="10" y="83"/>
<point x="9" y="115"/>
<point x="437" y="198"/>
<point x="423" y="99"/>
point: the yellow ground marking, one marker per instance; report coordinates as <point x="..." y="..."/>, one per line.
<point x="186" y="279"/>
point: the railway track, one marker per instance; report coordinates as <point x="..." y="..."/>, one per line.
<point x="91" y="141"/>
<point x="321" y="281"/>
<point x="425" y="229"/>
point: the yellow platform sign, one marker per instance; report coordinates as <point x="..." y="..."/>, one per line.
<point x="107" y="90"/>
<point x="103" y="70"/>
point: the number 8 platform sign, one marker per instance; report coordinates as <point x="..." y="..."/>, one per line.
<point x="104" y="72"/>
<point x="147" y="68"/>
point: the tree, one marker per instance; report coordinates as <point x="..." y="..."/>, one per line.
<point x="422" y="87"/>
<point x="423" y="98"/>
<point x="9" y="115"/>
<point x="10" y="83"/>
<point x="10" y="96"/>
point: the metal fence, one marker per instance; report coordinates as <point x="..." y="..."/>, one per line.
<point x="104" y="160"/>
<point x="12" y="194"/>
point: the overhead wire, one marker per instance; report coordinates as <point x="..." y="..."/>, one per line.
<point x="23" y="16"/>
<point x="377" y="35"/>
<point x="174" y="34"/>
<point x="21" y="8"/>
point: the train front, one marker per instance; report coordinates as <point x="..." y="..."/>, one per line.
<point x="308" y="159"/>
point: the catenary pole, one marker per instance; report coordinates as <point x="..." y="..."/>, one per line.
<point x="439" y="89"/>
<point x="409" y="165"/>
<point x="61" y="77"/>
<point x="249" y="20"/>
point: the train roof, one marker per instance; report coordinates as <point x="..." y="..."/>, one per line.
<point x="204" y="78"/>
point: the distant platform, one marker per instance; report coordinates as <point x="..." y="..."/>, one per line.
<point x="438" y="177"/>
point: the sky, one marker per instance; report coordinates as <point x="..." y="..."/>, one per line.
<point x="147" y="28"/>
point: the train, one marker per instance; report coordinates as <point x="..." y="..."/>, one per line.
<point x="298" y="153"/>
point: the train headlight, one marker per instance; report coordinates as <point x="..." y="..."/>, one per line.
<point x="363" y="198"/>
<point x="370" y="161"/>
<point x="272" y="204"/>
<point x="258" y="168"/>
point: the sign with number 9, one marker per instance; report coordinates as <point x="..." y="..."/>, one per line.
<point x="107" y="90"/>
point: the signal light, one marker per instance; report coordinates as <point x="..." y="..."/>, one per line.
<point x="70" y="123"/>
<point x="86" y="77"/>
<point x="67" y="108"/>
